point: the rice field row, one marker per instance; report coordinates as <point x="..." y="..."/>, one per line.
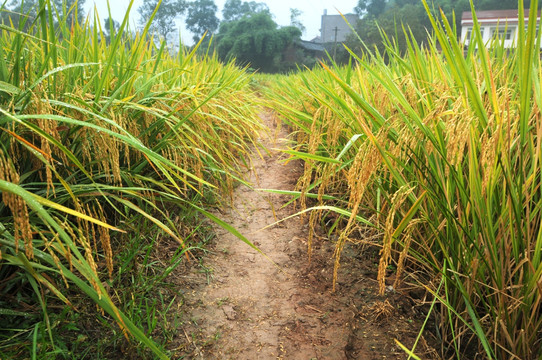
<point x="434" y="156"/>
<point x="99" y="135"/>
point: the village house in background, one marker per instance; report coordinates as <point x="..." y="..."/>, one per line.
<point x="501" y="24"/>
<point x="303" y="52"/>
<point x="333" y="32"/>
<point x="334" y="29"/>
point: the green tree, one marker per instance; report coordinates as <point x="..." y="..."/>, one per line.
<point x="236" y="9"/>
<point x="390" y="16"/>
<point x="256" y="40"/>
<point x="294" y="19"/>
<point x="370" y="7"/>
<point x="164" y="20"/>
<point x="21" y="13"/>
<point x="110" y="28"/>
<point x="71" y="10"/>
<point x="24" y="12"/>
<point x="202" y="17"/>
<point x="408" y="13"/>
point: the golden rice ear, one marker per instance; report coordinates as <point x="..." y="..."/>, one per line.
<point x="19" y="210"/>
<point x="407" y="236"/>
<point x="385" y="254"/>
<point x="105" y="240"/>
<point x="314" y="141"/>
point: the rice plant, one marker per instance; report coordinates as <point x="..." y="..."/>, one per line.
<point x="95" y="133"/>
<point x="436" y="152"/>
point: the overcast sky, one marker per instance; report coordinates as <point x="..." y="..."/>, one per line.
<point x="312" y="11"/>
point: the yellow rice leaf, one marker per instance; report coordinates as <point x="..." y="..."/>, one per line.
<point x="69" y="211"/>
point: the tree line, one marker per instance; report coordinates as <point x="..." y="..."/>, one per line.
<point x="246" y="33"/>
<point x="388" y="16"/>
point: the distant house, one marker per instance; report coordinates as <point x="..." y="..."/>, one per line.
<point x="335" y="29"/>
<point x="317" y="39"/>
<point x="303" y="53"/>
<point x="312" y="49"/>
<point x="501" y="24"/>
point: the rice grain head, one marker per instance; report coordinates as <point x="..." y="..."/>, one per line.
<point x="19" y="210"/>
<point x="385" y="254"/>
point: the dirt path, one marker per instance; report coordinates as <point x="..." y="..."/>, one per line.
<point x="243" y="307"/>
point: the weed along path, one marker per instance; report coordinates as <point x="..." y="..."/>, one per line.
<point x="242" y="306"/>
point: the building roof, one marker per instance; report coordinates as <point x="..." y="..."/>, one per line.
<point x="348" y="16"/>
<point x="311" y="46"/>
<point x="494" y="16"/>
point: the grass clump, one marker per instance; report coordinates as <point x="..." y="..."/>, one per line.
<point x="96" y="135"/>
<point x="437" y="152"/>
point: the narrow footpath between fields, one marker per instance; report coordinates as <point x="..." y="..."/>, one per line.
<point x="239" y="305"/>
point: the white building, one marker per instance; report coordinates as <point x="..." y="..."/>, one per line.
<point x="494" y="24"/>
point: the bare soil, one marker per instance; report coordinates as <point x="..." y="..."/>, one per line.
<point x="239" y="305"/>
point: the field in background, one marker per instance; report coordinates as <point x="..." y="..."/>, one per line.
<point x="108" y="147"/>
<point x="434" y="156"/>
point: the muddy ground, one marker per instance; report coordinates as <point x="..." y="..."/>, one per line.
<point x="240" y="305"/>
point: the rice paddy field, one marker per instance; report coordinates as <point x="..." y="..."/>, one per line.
<point x="105" y="147"/>
<point x="434" y="155"/>
<point x="111" y="147"/>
